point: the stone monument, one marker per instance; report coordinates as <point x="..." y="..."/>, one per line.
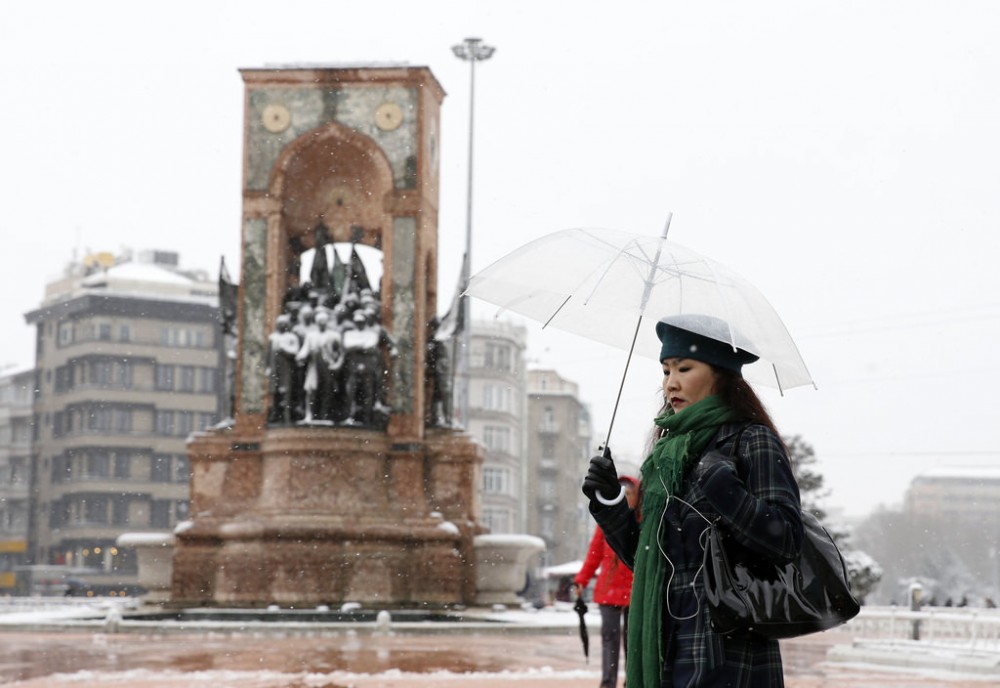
<point x="334" y="482"/>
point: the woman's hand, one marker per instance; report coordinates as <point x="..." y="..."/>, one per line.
<point x="708" y="463"/>
<point x="602" y="479"/>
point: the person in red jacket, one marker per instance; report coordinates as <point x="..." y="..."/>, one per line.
<point x="612" y="591"/>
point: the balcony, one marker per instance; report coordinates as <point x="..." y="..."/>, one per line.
<point x="548" y="466"/>
<point x="548" y="427"/>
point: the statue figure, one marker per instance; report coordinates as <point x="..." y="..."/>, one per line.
<point x="439" y="375"/>
<point x="322" y="353"/>
<point x="386" y="345"/>
<point x="282" y="348"/>
<point x="364" y="368"/>
<point x="319" y="275"/>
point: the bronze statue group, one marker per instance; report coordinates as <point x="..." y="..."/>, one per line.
<point x="327" y="355"/>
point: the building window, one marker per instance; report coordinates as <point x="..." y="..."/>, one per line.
<point x="164" y="422"/>
<point x="124" y="369"/>
<point x="185" y="379"/>
<point x="547" y="489"/>
<point x="101" y="373"/>
<point x="99" y="419"/>
<point x="548" y="447"/>
<point x="95" y="509"/>
<point x="182" y="470"/>
<point x="497" y="438"/>
<point x="159" y="515"/>
<point x="206" y="380"/>
<point x="547" y="526"/>
<point x="104" y="332"/>
<point x="125" y="333"/>
<point x="178" y="336"/>
<point x="122" y="463"/>
<point x="160" y="468"/>
<point x="548" y="425"/>
<point x="497" y="357"/>
<point x="164" y="378"/>
<point x="64" y="378"/>
<point x="65" y="333"/>
<point x="98" y="465"/>
<point x="185" y="423"/>
<point x="119" y="510"/>
<point x="205" y="420"/>
<point x="123" y="421"/>
<point x="496" y="520"/>
<point x="496" y="480"/>
<point x="496" y="398"/>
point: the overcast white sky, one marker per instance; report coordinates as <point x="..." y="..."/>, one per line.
<point x="843" y="156"/>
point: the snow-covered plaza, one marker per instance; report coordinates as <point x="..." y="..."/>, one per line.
<point x="99" y="645"/>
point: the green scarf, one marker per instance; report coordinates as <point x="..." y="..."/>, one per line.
<point x="688" y="433"/>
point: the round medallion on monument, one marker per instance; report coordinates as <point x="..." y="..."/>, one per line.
<point x="276" y="118"/>
<point x="388" y="116"/>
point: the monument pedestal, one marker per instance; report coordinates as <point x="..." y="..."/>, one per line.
<point x="326" y="516"/>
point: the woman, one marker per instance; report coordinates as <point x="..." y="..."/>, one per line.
<point x="611" y="591"/>
<point x="706" y="403"/>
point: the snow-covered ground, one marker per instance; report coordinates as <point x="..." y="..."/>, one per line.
<point x="72" y="642"/>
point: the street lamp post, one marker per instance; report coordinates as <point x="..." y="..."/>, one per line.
<point x="472" y="50"/>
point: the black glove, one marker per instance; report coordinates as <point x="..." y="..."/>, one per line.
<point x="708" y="463"/>
<point x="602" y="477"/>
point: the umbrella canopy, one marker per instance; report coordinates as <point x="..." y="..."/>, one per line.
<point x="602" y="284"/>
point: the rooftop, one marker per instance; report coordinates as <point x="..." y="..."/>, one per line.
<point x="983" y="473"/>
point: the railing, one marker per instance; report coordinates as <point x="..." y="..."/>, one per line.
<point x="972" y="629"/>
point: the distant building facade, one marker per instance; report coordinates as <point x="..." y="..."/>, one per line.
<point x="128" y="365"/>
<point x="497" y="409"/>
<point x="957" y="493"/>
<point x="16" y="428"/>
<point x="559" y="439"/>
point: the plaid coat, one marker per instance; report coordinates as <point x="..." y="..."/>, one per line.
<point x="762" y="515"/>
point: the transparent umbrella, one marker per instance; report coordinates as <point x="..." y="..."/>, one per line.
<point x="603" y="284"/>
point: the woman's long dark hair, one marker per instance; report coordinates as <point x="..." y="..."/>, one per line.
<point x="738" y="395"/>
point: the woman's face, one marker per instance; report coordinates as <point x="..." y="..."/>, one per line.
<point x="686" y="381"/>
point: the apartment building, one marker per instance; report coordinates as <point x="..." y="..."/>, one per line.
<point x="16" y="428"/>
<point x="128" y="364"/>
<point x="496" y="418"/>
<point x="559" y="437"/>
